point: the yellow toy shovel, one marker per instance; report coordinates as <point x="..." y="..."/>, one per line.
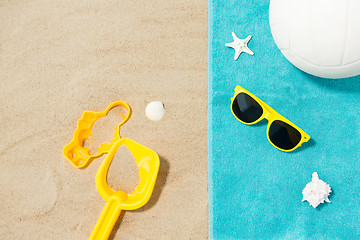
<point x="148" y="163"/>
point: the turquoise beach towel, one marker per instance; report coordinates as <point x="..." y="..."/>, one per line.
<point x="255" y="190"/>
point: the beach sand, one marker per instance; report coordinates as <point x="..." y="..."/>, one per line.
<point x="60" y="58"/>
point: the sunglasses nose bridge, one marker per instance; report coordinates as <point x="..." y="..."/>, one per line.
<point x="268" y="116"/>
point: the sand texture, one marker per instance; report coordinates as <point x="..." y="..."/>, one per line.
<point x="60" y="58"/>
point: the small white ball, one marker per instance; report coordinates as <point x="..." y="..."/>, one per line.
<point x="155" y="111"/>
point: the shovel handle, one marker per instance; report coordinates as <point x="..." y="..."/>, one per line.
<point x="107" y="220"/>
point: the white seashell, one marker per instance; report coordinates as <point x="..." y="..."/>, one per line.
<point x="155" y="111"/>
<point x="316" y="191"/>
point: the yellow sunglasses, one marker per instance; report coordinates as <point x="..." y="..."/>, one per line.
<point x="281" y="133"/>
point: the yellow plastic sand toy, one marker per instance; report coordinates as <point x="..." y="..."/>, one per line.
<point x="148" y="163"/>
<point x="79" y="155"/>
<point x="146" y="159"/>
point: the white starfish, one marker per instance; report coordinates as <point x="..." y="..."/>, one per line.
<point x="240" y="45"/>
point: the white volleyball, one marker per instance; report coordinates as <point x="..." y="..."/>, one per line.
<point x="320" y="37"/>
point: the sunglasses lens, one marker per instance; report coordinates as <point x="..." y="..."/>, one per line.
<point x="246" y="108"/>
<point x="283" y="135"/>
